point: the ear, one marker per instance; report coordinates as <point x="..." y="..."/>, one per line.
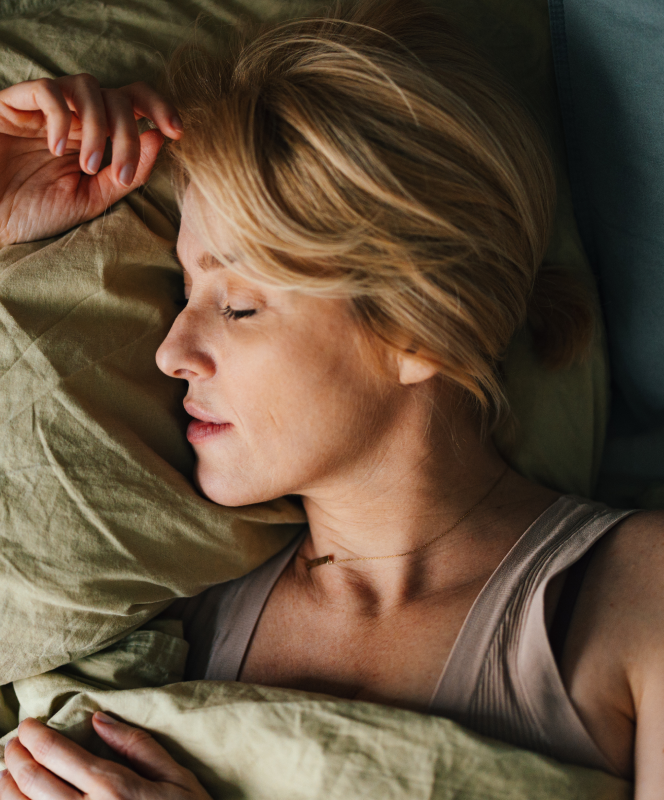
<point x="413" y="369"/>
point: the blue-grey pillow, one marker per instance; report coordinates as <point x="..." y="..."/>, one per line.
<point x="609" y="57"/>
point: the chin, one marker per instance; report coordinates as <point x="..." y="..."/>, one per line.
<point x="226" y="490"/>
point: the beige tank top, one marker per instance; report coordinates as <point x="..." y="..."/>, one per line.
<point x="501" y="678"/>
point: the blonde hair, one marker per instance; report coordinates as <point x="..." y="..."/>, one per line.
<point x="371" y="153"/>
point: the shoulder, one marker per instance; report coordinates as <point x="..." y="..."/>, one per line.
<point x="625" y="581"/>
<point x="621" y="606"/>
<point x="629" y="564"/>
<point x="627" y="592"/>
<point x="614" y="648"/>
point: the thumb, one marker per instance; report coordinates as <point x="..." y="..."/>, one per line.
<point x="105" y="190"/>
<point x="144" y="754"/>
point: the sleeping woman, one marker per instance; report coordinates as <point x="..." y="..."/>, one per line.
<point x="365" y="211"/>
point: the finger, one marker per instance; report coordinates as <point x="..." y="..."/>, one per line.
<point x="84" y="96"/>
<point x="105" y="188"/>
<point x="97" y="192"/>
<point x="45" y="96"/>
<point x="123" y="131"/>
<point x="144" y="754"/>
<point x="153" y="106"/>
<point x="8" y="788"/>
<point x="63" y="758"/>
<point x="32" y="779"/>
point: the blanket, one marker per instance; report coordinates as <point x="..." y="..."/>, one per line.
<point x="261" y="743"/>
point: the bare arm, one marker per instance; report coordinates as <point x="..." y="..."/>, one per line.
<point x="613" y="664"/>
<point x="644" y="661"/>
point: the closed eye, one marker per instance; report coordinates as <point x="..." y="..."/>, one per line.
<point x="232" y="313"/>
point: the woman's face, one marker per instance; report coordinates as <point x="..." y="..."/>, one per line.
<point x="282" y="400"/>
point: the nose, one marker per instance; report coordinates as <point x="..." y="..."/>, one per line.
<point x="183" y="354"/>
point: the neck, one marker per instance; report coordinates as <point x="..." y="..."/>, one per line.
<point x="409" y="491"/>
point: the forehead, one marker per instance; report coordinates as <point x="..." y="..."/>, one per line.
<point x="204" y="261"/>
<point x="197" y="219"/>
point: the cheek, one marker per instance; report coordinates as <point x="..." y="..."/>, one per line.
<point x="305" y="406"/>
<point x="288" y="370"/>
<point x="321" y="396"/>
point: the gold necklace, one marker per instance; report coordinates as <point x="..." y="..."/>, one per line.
<point x="329" y="560"/>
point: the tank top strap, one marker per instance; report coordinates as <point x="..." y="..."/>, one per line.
<point x="501" y="678"/>
<point x="225" y="617"/>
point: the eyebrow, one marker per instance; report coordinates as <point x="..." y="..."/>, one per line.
<point x="206" y="261"/>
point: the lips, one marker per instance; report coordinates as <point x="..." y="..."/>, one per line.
<point x="198" y="430"/>
<point x="203" y="426"/>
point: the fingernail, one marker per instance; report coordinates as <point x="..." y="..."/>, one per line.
<point x="60" y="147"/>
<point x="105" y="718"/>
<point x="126" y="175"/>
<point x="176" y="123"/>
<point x="94" y="161"/>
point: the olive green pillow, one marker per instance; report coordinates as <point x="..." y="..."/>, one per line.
<point x="100" y="526"/>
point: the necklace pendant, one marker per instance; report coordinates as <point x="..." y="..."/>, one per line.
<point x="317" y="562"/>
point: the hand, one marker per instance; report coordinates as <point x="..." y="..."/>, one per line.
<point x="42" y="763"/>
<point x="52" y="138"/>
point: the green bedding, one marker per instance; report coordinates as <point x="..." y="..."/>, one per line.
<point x="259" y="743"/>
